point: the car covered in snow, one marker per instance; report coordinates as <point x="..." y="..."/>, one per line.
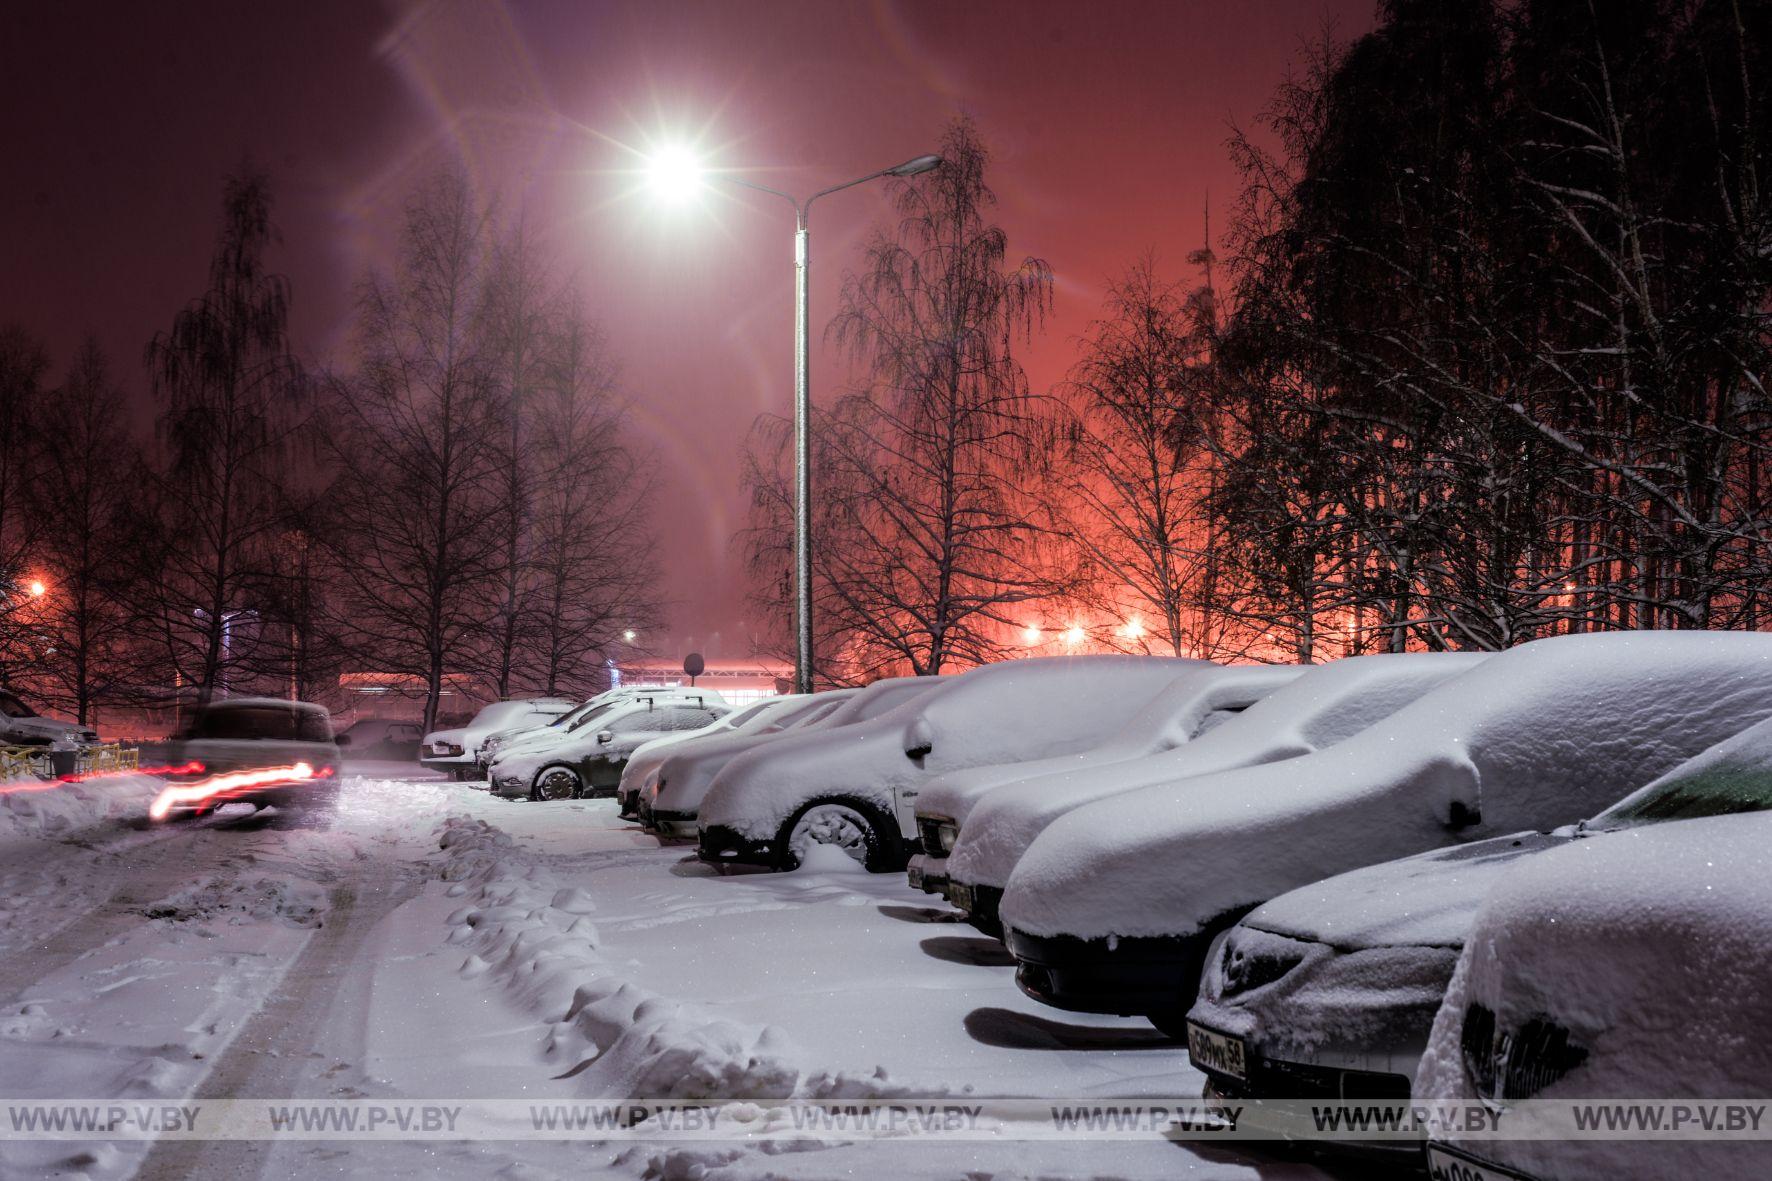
<point x="452" y="751"/>
<point x="1630" y="968"/>
<point x="20" y="725"/>
<point x="589" y="759"/>
<point x="670" y="803"/>
<point x="230" y="751"/>
<point x="536" y="733"/>
<point x="983" y="833"/>
<point x="1331" y="990"/>
<point x="769" y="716"/>
<point x="1113" y="906"/>
<point x="856" y="787"/>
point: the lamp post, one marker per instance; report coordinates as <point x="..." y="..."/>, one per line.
<point x="676" y="170"/>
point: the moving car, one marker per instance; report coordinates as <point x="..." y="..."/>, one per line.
<point x="984" y="833"/>
<point x="1330" y="990"/>
<point x="671" y="803"/>
<point x="452" y="751"/>
<point x="589" y="759"/>
<point x="1630" y="968"/>
<point x="1111" y="909"/>
<point x="257" y="750"/>
<point x="855" y="787"/>
<point x="382" y="738"/>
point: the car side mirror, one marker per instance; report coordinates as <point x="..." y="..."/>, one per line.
<point x="1456" y="788"/>
<point x="604" y="738"/>
<point x="918" y="741"/>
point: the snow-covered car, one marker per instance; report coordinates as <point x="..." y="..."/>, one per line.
<point x="983" y="833"/>
<point x="1330" y="990"/>
<point x="1630" y="968"/>
<point x="453" y="751"/>
<point x="670" y="802"/>
<point x="1111" y="909"/>
<point x="589" y="760"/>
<point x="855" y="788"/>
<point x="381" y="738"/>
<point x="20" y="725"/>
<point x="225" y="742"/>
<point x="536" y="733"/>
<point x="760" y="716"/>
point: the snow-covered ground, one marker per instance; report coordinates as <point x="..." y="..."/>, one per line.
<point x="422" y="940"/>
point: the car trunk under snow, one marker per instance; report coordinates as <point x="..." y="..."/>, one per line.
<point x="1112" y="907"/>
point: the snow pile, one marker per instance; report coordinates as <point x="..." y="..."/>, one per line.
<point x="1011" y="712"/>
<point x="1649" y="948"/>
<point x="535" y="938"/>
<point x="1317" y="709"/>
<point x="684" y="779"/>
<point x="32" y="808"/>
<point x="1539" y="736"/>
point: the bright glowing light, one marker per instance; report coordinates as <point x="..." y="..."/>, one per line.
<point x="629" y="635"/>
<point x="37" y="588"/>
<point x="674" y="173"/>
<point x="1134" y="629"/>
<point x="224" y="785"/>
<point x="1073" y="635"/>
<point x="1030" y="635"/>
<point x="1569" y="586"/>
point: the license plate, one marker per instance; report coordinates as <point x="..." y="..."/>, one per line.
<point x="1449" y="1164"/>
<point x="1217" y="1052"/>
<point x="915" y="874"/>
<point x="960" y="895"/>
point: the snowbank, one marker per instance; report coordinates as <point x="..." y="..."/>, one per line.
<point x="36" y="809"/>
<point x="1649" y="948"/>
<point x="1542" y="735"/>
<point x="1317" y="709"/>
<point x="1012" y="712"/>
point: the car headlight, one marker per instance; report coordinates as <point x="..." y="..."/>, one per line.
<point x="947" y="834"/>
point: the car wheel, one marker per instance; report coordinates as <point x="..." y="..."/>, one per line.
<point x="556" y="783"/>
<point x="843" y="826"/>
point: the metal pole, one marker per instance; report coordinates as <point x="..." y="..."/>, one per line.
<point x="802" y="466"/>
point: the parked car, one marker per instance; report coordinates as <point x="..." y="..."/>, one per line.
<point x="229" y="739"/>
<point x="452" y="751"/>
<point x="382" y="738"/>
<point x="1631" y="968"/>
<point x="855" y="787"/>
<point x="20" y="725"/>
<point x="1331" y="990"/>
<point x="533" y="734"/>
<point x="766" y="716"/>
<point x="589" y="759"/>
<point x="670" y="804"/>
<point x="1111" y="909"/>
<point x="984" y="833"/>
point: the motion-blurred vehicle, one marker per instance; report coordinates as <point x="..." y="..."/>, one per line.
<point x="975" y="830"/>
<point x="855" y="788"/>
<point x="1331" y="990"/>
<point x="1113" y="906"/>
<point x="381" y="738"/>
<point x="257" y="750"/>
<point x="453" y="751"/>
<point x="1630" y="968"/>
<point x="590" y="759"/>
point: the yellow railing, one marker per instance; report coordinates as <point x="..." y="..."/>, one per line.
<point x="27" y="762"/>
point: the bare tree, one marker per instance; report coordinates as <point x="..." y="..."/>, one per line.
<point x="23" y="364"/>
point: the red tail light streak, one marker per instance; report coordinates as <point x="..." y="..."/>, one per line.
<point x="230" y="783"/>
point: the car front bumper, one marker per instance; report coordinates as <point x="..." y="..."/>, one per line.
<point x="1140" y="975"/>
<point x="720" y="845"/>
<point x="928" y="874"/>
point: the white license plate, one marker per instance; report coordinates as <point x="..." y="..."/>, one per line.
<point x="915" y="874"/>
<point x="960" y="895"/>
<point x="1217" y="1052"/>
<point x="1449" y="1164"/>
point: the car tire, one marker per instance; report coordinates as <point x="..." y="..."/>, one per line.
<point x="853" y="826"/>
<point x="556" y="783"/>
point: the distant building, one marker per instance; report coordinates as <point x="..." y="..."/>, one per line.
<point x="739" y="681"/>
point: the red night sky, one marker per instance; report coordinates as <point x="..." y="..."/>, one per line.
<point x="1107" y="121"/>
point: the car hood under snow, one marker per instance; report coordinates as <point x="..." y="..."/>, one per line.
<point x="1539" y="736"/>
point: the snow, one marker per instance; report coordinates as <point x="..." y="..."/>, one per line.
<point x="628" y="724"/>
<point x="684" y="780"/>
<point x="1321" y="707"/>
<point x="1013" y="712"/>
<point x="1538" y="736"/>
<point x="56" y="809"/>
<point x="786" y="714"/>
<point x="1650" y="948"/>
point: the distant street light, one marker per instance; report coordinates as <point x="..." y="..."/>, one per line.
<point x="629" y="635"/>
<point x="37" y="589"/>
<point x="676" y="174"/>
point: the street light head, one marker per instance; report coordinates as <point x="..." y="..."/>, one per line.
<point x="915" y="167"/>
<point x="674" y="173"/>
<point x="37" y="589"/>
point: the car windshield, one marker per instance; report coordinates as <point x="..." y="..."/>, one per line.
<point x="262" y="723"/>
<point x="592" y="715"/>
<point x="12" y="707"/>
<point x="1713" y="791"/>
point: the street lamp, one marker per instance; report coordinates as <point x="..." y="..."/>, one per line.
<point x="675" y="173"/>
